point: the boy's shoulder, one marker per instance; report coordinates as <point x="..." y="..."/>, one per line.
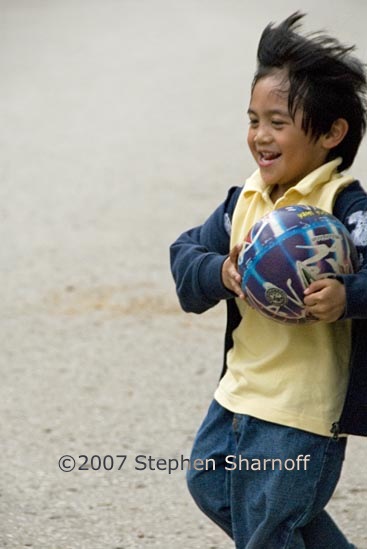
<point x="231" y="200"/>
<point x="353" y="195"/>
<point x="355" y="188"/>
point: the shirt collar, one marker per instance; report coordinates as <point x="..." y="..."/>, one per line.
<point x="326" y="172"/>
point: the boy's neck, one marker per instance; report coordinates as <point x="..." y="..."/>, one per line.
<point x="278" y="191"/>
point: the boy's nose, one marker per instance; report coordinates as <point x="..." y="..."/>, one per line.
<point x="262" y="136"/>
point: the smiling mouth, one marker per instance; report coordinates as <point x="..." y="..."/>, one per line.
<point x="267" y="158"/>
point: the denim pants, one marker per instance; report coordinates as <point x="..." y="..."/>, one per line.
<point x="266" y="485"/>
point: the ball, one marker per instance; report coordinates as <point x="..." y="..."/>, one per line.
<point x="285" y="251"/>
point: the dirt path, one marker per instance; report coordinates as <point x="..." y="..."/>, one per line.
<point x="122" y="123"/>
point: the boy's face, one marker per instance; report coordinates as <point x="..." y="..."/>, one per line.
<point x="283" y="152"/>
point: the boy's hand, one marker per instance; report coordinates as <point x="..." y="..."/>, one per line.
<point x="230" y="276"/>
<point x="325" y="299"/>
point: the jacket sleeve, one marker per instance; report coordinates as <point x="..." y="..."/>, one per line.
<point x="351" y="209"/>
<point x="197" y="257"/>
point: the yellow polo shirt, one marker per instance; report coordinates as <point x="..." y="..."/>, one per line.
<point x="294" y="375"/>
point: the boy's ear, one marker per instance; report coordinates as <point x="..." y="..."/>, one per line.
<point x="336" y="134"/>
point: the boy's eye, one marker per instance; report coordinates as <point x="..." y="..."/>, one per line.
<point x="277" y="123"/>
<point x="253" y="122"/>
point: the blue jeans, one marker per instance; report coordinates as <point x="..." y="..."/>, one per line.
<point x="266" y="485"/>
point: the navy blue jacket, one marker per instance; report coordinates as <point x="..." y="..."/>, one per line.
<point x="197" y="257"/>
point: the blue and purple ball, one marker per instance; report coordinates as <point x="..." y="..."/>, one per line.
<point x="285" y="251"/>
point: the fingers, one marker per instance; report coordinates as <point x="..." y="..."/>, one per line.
<point x="317" y="285"/>
<point x="317" y="291"/>
<point x="234" y="253"/>
<point x="325" y="299"/>
<point x="230" y="275"/>
<point x="233" y="278"/>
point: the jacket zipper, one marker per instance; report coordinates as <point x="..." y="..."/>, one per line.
<point x="335" y="430"/>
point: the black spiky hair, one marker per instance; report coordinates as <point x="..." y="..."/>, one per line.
<point x="323" y="78"/>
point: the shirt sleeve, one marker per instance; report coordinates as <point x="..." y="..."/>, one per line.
<point x="197" y="257"/>
<point x="351" y="209"/>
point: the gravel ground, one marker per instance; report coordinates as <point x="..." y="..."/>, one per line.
<point x="122" y="124"/>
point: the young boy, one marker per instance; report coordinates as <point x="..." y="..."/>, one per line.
<point x="274" y="438"/>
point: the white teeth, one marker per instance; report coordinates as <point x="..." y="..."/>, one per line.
<point x="269" y="156"/>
